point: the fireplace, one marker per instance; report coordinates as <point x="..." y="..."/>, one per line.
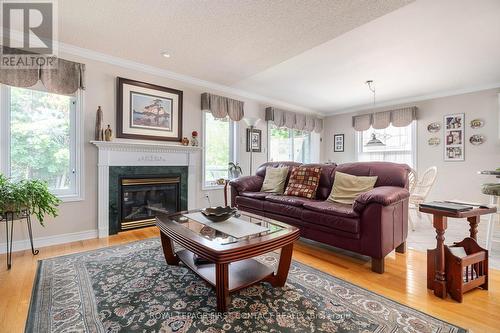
<point x="143" y="197"/>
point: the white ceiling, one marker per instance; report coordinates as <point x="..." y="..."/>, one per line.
<point x="315" y="54"/>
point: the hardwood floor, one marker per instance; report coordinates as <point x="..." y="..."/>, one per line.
<point x="404" y="281"/>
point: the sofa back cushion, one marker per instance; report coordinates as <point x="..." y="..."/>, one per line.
<point x="275" y="180"/>
<point x="303" y="182"/>
<point x="325" y="179"/>
<point x="389" y="174"/>
<point x="347" y="187"/>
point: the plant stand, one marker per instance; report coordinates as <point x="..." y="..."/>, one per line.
<point x="11" y="216"/>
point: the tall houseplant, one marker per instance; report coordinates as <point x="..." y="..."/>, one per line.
<point x="27" y="195"/>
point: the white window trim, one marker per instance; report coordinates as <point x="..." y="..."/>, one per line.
<point x="233" y="150"/>
<point x="414" y="138"/>
<point x="291" y="138"/>
<point x="77" y="141"/>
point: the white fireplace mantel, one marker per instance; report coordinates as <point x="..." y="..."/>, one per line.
<point x="139" y="153"/>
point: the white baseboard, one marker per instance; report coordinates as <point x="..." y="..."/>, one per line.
<point x="24" y="244"/>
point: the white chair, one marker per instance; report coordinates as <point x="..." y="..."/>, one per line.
<point x="493" y="190"/>
<point x="420" y="190"/>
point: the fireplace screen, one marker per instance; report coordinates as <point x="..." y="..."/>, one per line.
<point x="142" y="198"/>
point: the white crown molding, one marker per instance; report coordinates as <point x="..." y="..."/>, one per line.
<point x="21" y="245"/>
<point x="143" y="146"/>
<point x="413" y="99"/>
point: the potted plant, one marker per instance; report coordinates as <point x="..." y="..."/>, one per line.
<point x="234" y="170"/>
<point x="31" y="196"/>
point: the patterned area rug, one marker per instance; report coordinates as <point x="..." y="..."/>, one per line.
<point x="130" y="288"/>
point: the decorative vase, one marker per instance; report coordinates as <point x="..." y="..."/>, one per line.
<point x="98" y="134"/>
<point x="108" y="133"/>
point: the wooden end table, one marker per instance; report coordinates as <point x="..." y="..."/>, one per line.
<point x="232" y="267"/>
<point x="436" y="277"/>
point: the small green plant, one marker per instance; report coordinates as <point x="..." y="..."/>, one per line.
<point x="234" y="170"/>
<point x="32" y="195"/>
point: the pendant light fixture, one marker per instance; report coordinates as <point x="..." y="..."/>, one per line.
<point x="373" y="142"/>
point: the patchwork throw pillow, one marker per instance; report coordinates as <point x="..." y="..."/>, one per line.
<point x="347" y="187"/>
<point x="275" y="180"/>
<point x="303" y="182"/>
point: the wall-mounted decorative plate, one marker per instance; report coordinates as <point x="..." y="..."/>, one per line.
<point x="433" y="142"/>
<point x="434" y="127"/>
<point x="477" y="139"/>
<point x="476" y="123"/>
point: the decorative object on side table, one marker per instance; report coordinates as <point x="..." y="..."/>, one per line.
<point x="434" y="141"/>
<point x="219" y="214"/>
<point x="98" y="134"/>
<point x="454" y="137"/>
<point x="20" y="200"/>
<point x="194" y="139"/>
<point x="108" y="133"/>
<point x="476" y="123"/>
<point x="434" y="127"/>
<point x="477" y="139"/>
<point x="234" y="170"/>
<point x="338" y="143"/>
<point x="149" y="112"/>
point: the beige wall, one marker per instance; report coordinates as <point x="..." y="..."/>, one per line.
<point x="81" y="216"/>
<point x="455" y="179"/>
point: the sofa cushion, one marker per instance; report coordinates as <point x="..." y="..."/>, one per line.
<point x="275" y="180"/>
<point x="288" y="200"/>
<point x="325" y="179"/>
<point x="333" y="208"/>
<point x="346" y="224"/>
<point x="255" y="204"/>
<point x="389" y="174"/>
<point x="282" y="209"/>
<point x="347" y="187"/>
<point x="303" y="182"/>
<point x="255" y="195"/>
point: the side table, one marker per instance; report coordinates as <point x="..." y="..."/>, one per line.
<point x="436" y="276"/>
<point x="10" y="217"/>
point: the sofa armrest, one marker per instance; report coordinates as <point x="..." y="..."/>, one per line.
<point x="384" y="195"/>
<point x="247" y="184"/>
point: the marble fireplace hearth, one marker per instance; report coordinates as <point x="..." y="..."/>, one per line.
<point x="128" y="158"/>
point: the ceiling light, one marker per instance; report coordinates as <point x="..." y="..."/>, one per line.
<point x="165" y="54"/>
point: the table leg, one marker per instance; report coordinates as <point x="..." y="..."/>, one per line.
<point x="473" y="222"/>
<point x="30" y="233"/>
<point x="9" y="237"/>
<point x="440" y="224"/>
<point x="222" y="286"/>
<point x="279" y="278"/>
<point x="168" y="250"/>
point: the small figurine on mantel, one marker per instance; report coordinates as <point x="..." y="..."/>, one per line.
<point x="99" y="132"/>
<point x="108" y="134"/>
<point x="185" y="141"/>
<point x="194" y="139"/>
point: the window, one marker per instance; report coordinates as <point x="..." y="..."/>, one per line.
<point x="218" y="143"/>
<point x="289" y="145"/>
<point x="399" y="145"/>
<point x="41" y="131"/>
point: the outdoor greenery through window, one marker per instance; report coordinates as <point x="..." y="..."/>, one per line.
<point x="42" y="137"/>
<point x="289" y="145"/>
<point x="399" y="145"/>
<point x="218" y="152"/>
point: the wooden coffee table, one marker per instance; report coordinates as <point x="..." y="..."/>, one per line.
<point x="232" y="267"/>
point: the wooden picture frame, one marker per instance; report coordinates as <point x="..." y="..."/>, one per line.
<point x="454" y="137"/>
<point x="257" y="140"/>
<point x="148" y="112"/>
<point x="338" y="143"/>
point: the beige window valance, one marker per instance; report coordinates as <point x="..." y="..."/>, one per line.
<point x="61" y="77"/>
<point x="220" y="106"/>
<point x="293" y="120"/>
<point x="379" y="120"/>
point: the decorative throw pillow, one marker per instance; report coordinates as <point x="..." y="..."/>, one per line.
<point x="275" y="180"/>
<point x="303" y="182"/>
<point x="347" y="187"/>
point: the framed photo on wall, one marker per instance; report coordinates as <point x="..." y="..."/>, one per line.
<point x="148" y="112"/>
<point x="454" y="137"/>
<point x="255" y="141"/>
<point x="338" y="143"/>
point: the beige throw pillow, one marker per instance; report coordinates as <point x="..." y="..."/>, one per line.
<point x="347" y="187"/>
<point x="275" y="179"/>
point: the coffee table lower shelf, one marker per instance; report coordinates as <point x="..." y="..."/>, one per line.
<point x="241" y="274"/>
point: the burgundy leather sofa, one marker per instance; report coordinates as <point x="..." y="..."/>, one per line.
<point x="375" y="225"/>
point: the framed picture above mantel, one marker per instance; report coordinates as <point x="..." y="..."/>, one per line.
<point x="148" y="112"/>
